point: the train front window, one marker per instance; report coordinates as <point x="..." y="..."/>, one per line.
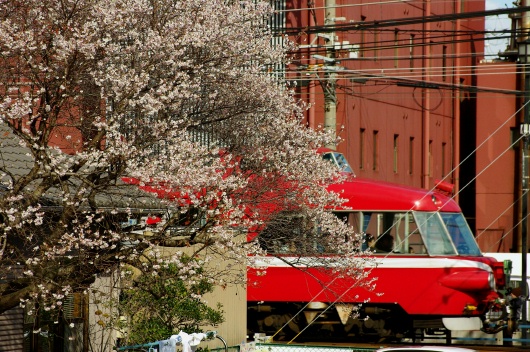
<point x="434" y="233"/>
<point x="342" y="163"/>
<point x="461" y="234"/>
<point x="339" y="160"/>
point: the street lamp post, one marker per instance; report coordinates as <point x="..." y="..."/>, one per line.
<point x="524" y="52"/>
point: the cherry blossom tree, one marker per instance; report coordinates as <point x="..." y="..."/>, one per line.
<point x="128" y="126"/>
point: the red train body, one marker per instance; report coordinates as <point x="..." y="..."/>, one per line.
<point x="434" y="278"/>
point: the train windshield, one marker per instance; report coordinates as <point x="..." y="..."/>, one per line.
<point x="446" y="234"/>
<point x="429" y="233"/>
<point x="339" y="160"/>
<point x="461" y="234"/>
<point x="434" y="233"/>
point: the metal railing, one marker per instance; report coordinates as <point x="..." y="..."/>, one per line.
<point x="188" y="342"/>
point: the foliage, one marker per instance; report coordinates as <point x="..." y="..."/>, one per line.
<point x="162" y="304"/>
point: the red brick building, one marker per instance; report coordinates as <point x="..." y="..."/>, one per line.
<point x="412" y="100"/>
<point x="498" y="160"/>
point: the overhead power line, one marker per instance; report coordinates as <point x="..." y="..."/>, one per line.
<point x="362" y="25"/>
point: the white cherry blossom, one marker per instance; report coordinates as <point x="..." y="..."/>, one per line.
<point x="116" y="112"/>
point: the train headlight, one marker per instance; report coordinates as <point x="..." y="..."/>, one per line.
<point x="492" y="282"/>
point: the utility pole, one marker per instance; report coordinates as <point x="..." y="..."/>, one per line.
<point x="525" y="131"/>
<point x="329" y="84"/>
<point x="524" y="58"/>
<point x="426" y="101"/>
<point x="329" y="67"/>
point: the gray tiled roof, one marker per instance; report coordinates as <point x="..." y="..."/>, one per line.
<point x="14" y="157"/>
<point x="16" y="160"/>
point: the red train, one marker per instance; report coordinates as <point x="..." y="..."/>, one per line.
<point x="434" y="279"/>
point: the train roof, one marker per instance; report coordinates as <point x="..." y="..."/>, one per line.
<point x="367" y="194"/>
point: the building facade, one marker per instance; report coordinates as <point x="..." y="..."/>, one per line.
<point x="405" y="88"/>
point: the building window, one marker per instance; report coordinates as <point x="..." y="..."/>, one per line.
<point x="375" y="151"/>
<point x="363" y="39"/>
<point x="444" y="63"/>
<point x="514" y="137"/>
<point x="361" y="149"/>
<point x="444" y="146"/>
<point x="411" y="52"/>
<point x="396" y="48"/>
<point x="396" y="153"/>
<point x="411" y="155"/>
<point x="430" y="166"/>
<point x="376" y="43"/>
